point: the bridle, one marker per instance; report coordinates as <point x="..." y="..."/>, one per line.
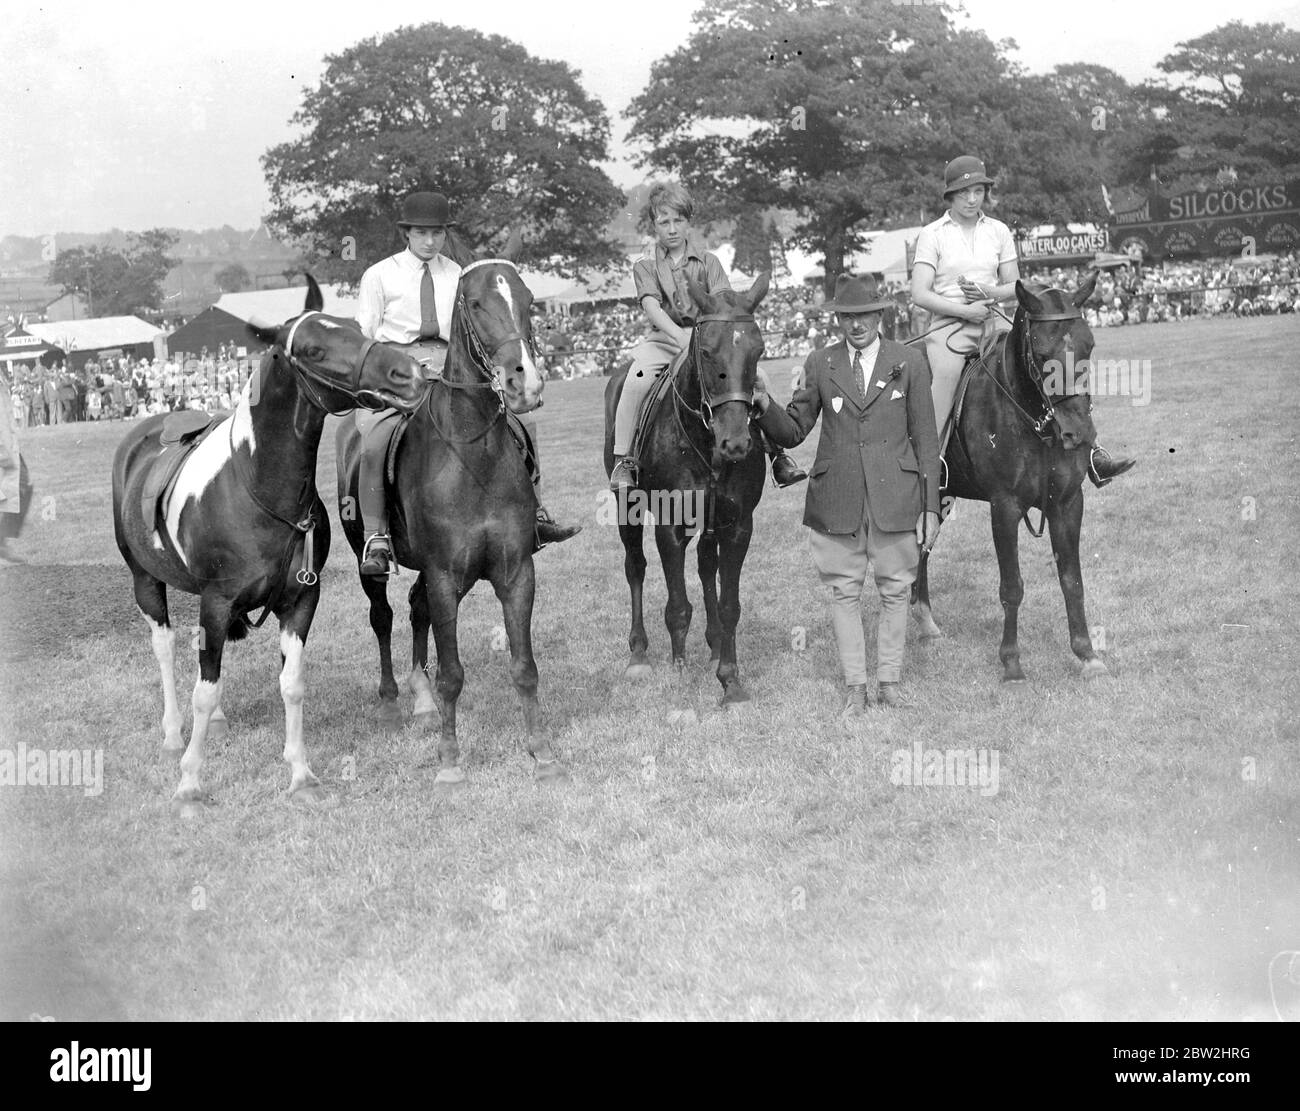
<point x="1041" y="425"/>
<point x="482" y="360"/>
<point x="310" y="378"/>
<point x="708" y="401"/>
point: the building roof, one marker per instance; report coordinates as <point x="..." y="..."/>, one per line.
<point x="96" y="333"/>
<point x="274" y="306"/>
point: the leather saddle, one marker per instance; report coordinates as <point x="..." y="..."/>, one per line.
<point x="653" y="399"/>
<point x="181" y="433"/>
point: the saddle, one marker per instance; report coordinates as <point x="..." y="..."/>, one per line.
<point x="974" y="361"/>
<point x="182" y="432"/>
<point x="513" y="423"/>
<point x="653" y="398"/>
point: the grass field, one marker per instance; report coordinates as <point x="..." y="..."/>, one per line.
<point x="1139" y="859"/>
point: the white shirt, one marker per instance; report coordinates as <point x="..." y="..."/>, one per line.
<point x="944" y="245"/>
<point x="388" y="302"/>
<point x="869" y="354"/>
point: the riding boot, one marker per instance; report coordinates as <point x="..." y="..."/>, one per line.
<point x="1102" y="467"/>
<point x="785" y="471"/>
<point x="372" y="503"/>
<point x="547" y="530"/>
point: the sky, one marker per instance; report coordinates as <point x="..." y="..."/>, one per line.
<point x="159" y="117"/>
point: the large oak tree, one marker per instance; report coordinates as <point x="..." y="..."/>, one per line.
<point x="514" y="141"/>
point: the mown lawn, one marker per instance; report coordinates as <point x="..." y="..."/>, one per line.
<point x="1139" y="859"/>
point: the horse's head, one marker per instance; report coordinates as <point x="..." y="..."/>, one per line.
<point x="337" y="367"/>
<point x="726" y="346"/>
<point x="494" y="328"/>
<point x="1054" y="347"/>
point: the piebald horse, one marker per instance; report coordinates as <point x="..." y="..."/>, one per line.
<point x="243" y="526"/>
<point x="463" y="509"/>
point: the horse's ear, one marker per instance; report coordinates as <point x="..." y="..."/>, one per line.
<point x="514" y="247"/>
<point x="1028" y="301"/>
<point x="700" y="295"/>
<point x="1085" y="290"/>
<point x="758" y="290"/>
<point x="267" y="333"/>
<point x="315" y="299"/>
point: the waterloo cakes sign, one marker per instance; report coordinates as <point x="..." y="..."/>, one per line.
<point x="1250" y="219"/>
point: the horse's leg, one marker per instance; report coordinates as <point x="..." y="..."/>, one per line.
<point x="381" y="621"/>
<point x="516" y="595"/>
<point x="444" y="604"/>
<point x="1006" y="541"/>
<point x="1064" y="520"/>
<point x="304" y="787"/>
<point x="708" y="562"/>
<point x="632" y="535"/>
<point x="671" y="541"/>
<point x="214" y="620"/>
<point x="151" y="597"/>
<point x="418" y="681"/>
<point x="735" y="545"/>
<point x="921" y="601"/>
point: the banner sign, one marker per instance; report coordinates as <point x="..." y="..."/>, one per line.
<point x="1250" y="219"/>
<point x="1067" y="247"/>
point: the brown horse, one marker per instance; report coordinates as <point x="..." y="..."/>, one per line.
<point x="699" y="452"/>
<point x="464" y="509"/>
<point x="243" y="526"/>
<point x="1022" y="441"/>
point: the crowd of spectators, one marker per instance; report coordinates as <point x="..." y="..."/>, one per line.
<point x="126" y="387"/>
<point x="1181" y="290"/>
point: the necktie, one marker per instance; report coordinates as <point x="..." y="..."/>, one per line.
<point x="428" y="308"/>
<point x="858" y="377"/>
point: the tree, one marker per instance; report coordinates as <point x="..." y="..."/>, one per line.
<point x="233" y="278"/>
<point x="118" y="283"/>
<point x="513" y="141"/>
<point x="846" y="113"/>
<point x="1232" y="99"/>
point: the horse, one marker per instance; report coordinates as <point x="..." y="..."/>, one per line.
<point x="463" y="509"/>
<point x="698" y="452"/>
<point x="1019" y="443"/>
<point x="243" y="505"/>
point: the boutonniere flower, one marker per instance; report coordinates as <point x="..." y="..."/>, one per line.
<point x="896" y="371"/>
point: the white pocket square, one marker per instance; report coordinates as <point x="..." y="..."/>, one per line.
<point x="896" y="395"/>
<point x="837" y="403"/>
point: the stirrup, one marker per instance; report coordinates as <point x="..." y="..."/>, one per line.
<point x="387" y="552"/>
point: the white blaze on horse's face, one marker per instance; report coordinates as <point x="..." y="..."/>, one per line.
<point x="532" y="384"/>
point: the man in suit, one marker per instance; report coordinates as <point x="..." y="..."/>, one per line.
<point x="873" y="497"/>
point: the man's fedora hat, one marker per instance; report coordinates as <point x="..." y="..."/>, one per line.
<point x="425" y="210"/>
<point x="963" y="172"/>
<point x="857" y="295"/>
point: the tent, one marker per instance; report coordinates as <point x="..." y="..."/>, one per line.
<point x="274" y="306"/>
<point x="210" y="329"/>
<point x="82" y="339"/>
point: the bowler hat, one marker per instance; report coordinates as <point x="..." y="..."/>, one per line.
<point x="425" y="210"/>
<point x="962" y="172"/>
<point x="857" y="295"/>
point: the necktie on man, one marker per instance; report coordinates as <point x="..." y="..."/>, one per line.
<point x="858" y="377"/>
<point x="428" y="307"/>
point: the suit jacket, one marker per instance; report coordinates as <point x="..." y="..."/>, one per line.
<point x="883" y="451"/>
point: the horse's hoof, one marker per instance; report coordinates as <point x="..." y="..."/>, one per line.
<point x="311" y="796"/>
<point x="1095" y="669"/>
<point x="929" y="631"/>
<point x="550" y="772"/>
<point x="1018" y="677"/>
<point x="638" y="672"/>
<point x="390" y="714"/>
<point x="734" y="694"/>
<point x="188" y="806"/>
<point x="173" y="748"/>
<point x="685" y="716"/>
<point x="218" y="729"/>
<point x="425" y="722"/>
<point x="448" y="779"/>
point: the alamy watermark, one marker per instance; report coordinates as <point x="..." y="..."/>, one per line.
<point x="632" y="506"/>
<point x="41" y="767"/>
<point x="953" y="767"/>
<point x="1100" y="377"/>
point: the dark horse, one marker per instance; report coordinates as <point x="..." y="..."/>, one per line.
<point x="700" y="464"/>
<point x="1022" y="442"/>
<point x="243" y="507"/>
<point x="464" y="508"/>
